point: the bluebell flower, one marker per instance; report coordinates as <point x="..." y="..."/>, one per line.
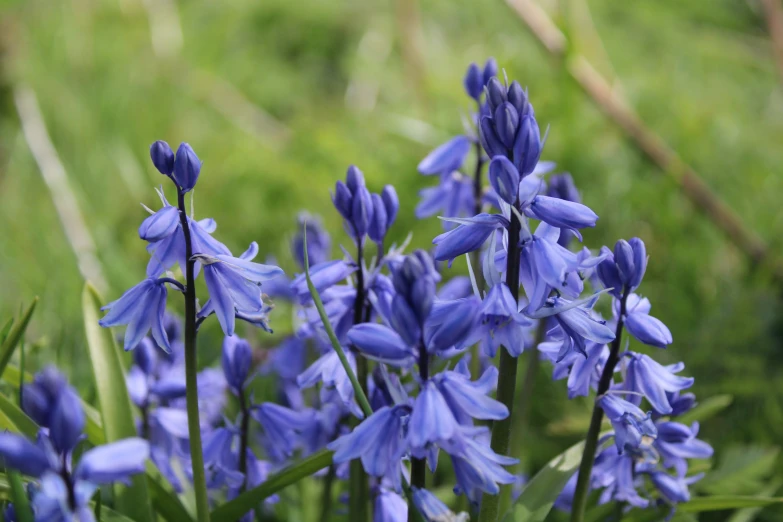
<point x="64" y="490"/>
<point x="679" y="402"/>
<point x="142" y="308"/>
<point x="318" y="241"/>
<point x="162" y="157"/>
<point x="583" y="373"/>
<point x="641" y="324"/>
<point x="561" y="213"/>
<point x="187" y="168"/>
<point x="446" y="158"/>
<point x="324" y="275"/>
<point x="646" y="376"/>
<point x="577" y="326"/>
<point x="282" y="428"/>
<point x="378" y="224"/>
<point x="673" y="488"/>
<point x="615" y="473"/>
<point x="236" y="360"/>
<point x="468" y="399"/>
<point x="625" y="267"/>
<point x="452" y="197"/>
<point x="476" y="78"/>
<point x="328" y="370"/>
<point x="161" y="224"/>
<point x="449" y="322"/>
<point x="389" y="507"/>
<point x="633" y="429"/>
<point x="353" y="201"/>
<point x="478" y="469"/>
<point x="379" y="441"/>
<point x="432" y="509"/>
<point x="391" y="203"/>
<point x="432" y="421"/>
<point x="233" y="286"/>
<point x="504" y="178"/>
<point x="470" y="235"/>
<point x="381" y="343"/>
<point x="499" y="323"/>
<point x="677" y="442"/>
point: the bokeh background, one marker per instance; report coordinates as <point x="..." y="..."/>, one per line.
<point x="279" y="97"/>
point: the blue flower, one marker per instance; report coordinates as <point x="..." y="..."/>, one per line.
<point x="633" y="429"/>
<point x="476" y="78"/>
<point x="64" y="490"/>
<point x="379" y="441"/>
<point x="187" y="168"/>
<point x="282" y="428"/>
<point x="233" y="287"/>
<point x="504" y="178"/>
<point x="162" y="157"/>
<point x="389" y="507"/>
<point x="159" y="225"/>
<point x="583" y="372"/>
<point x="478" y="469"/>
<point x="499" y="323"/>
<point x="577" y="327"/>
<point x="561" y="213"/>
<point x="641" y="324"/>
<point x="324" y="275"/>
<point x="452" y="197"/>
<point x="142" y="308"/>
<point x="318" y="241"/>
<point x="380" y="343"/>
<point x="468" y="399"/>
<point x="625" y="267"/>
<point x="470" y="235"/>
<point x="433" y="509"/>
<point x="432" y="421"/>
<point x="446" y="158"/>
<point x="328" y="370"/>
<point x="677" y="442"/>
<point x="646" y="376"/>
<point x="449" y="322"/>
<point x="236" y="359"/>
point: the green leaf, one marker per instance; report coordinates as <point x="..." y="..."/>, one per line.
<point x="115" y="404"/>
<point x="250" y="499"/>
<point x="5" y="329"/>
<point x="20" y="422"/>
<point x="742" y="471"/>
<point x="748" y="514"/>
<point x="707" y="409"/>
<point x="15" y="335"/>
<point x="19" y="496"/>
<point x="719" y="502"/>
<point x="539" y="495"/>
<point x="167" y="504"/>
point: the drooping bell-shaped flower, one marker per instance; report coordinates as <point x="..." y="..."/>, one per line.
<point x="633" y="429"/>
<point x="646" y="376"/>
<point x="469" y="235"/>
<point x="142" y="308"/>
<point x="236" y="360"/>
<point x="162" y="157"/>
<point x="446" y="158"/>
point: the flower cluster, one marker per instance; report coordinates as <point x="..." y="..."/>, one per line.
<point x="63" y="489"/>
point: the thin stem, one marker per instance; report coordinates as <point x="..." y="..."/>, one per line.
<point x="191" y="370"/>
<point x="174" y="282"/>
<point x="478" y="192"/>
<point x="359" y="487"/>
<point x="244" y="429"/>
<point x="145" y="422"/>
<point x="326" y="496"/>
<point x="507" y="380"/>
<point x="419" y="466"/>
<point x="591" y="442"/>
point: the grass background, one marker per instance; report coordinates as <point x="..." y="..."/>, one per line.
<point x="378" y="84"/>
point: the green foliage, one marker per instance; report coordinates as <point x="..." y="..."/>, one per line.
<point x="252" y="498"/>
<point x="115" y="404"/>
<point x="14" y="419"/>
<point x="742" y="470"/>
<point x="538" y="497"/>
<point x="19" y="496"/>
<point x="14" y="335"/>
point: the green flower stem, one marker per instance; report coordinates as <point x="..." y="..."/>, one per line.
<point x="191" y="371"/>
<point x="591" y="441"/>
<point x="507" y="380"/>
<point x="475" y="256"/>
<point x="244" y="431"/>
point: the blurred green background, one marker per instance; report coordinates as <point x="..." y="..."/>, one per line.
<point x="278" y="97"/>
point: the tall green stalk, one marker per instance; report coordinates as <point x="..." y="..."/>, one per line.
<point x="591" y="441"/>
<point x="191" y="371"/>
<point x="507" y="380"/>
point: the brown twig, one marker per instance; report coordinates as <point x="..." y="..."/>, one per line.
<point x="667" y="159"/>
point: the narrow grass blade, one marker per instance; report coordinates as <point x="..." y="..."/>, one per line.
<point x="15" y="335"/>
<point x="20" y="422"/>
<point x="361" y="398"/>
<point x="19" y="497"/>
<point x="115" y="404"/>
<point x="250" y="499"/>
